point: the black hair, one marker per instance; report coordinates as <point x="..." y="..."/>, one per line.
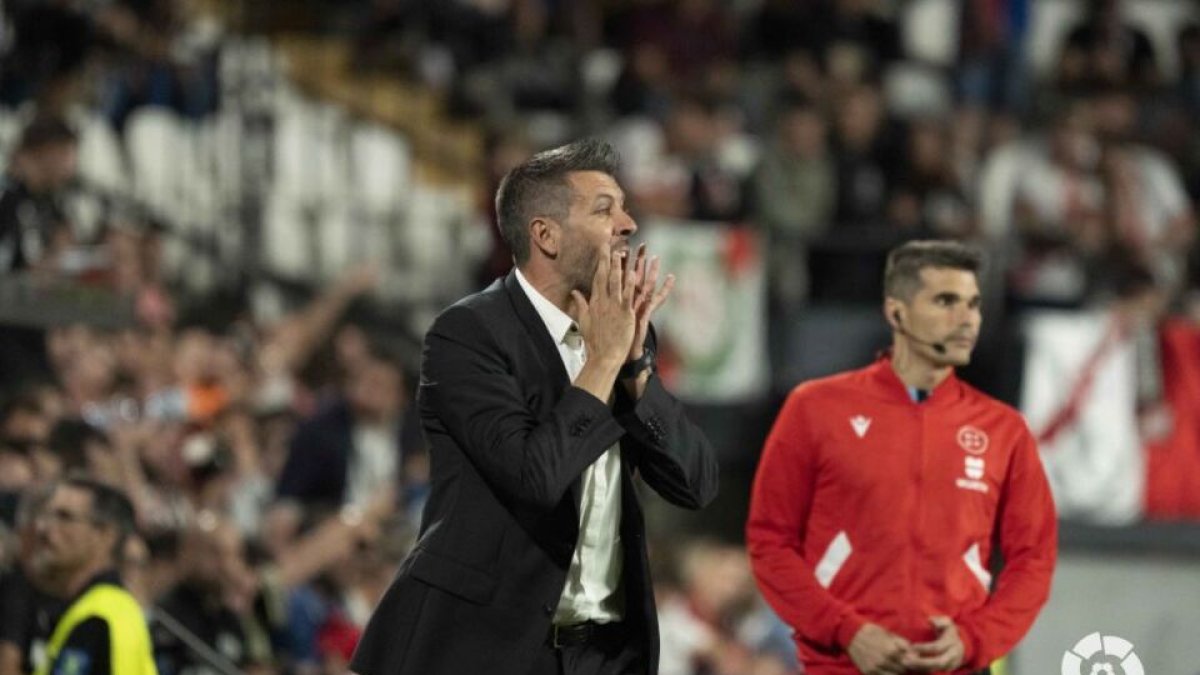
<point x="110" y="507"/>
<point x="45" y="131"/>
<point x="68" y="440"/>
<point x="539" y="187"/>
<point x="902" y="274"/>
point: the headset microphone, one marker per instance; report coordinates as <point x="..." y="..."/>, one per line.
<point x="935" y="346"/>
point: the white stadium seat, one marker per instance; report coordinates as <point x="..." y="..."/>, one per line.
<point x="381" y="161"/>
<point x="914" y="90"/>
<point x="929" y="31"/>
<point x="101" y="162"/>
<point x="156" y="140"/>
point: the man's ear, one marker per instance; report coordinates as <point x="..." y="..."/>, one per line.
<point x="545" y="234"/>
<point x="109" y="537"/>
<point x="891" y="311"/>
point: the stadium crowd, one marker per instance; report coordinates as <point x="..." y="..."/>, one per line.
<point x="275" y="464"/>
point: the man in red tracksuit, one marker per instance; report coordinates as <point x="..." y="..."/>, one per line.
<point x="881" y="493"/>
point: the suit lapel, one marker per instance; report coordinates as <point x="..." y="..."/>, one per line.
<point x="547" y="352"/>
<point x="631" y="510"/>
<point x="543" y="344"/>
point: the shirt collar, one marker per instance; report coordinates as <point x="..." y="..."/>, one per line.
<point x="557" y="321"/>
<point x="883" y="373"/>
<point x="108" y="577"/>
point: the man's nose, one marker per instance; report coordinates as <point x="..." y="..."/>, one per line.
<point x="627" y="225"/>
<point x="971" y="317"/>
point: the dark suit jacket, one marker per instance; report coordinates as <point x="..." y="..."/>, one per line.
<point x="509" y="438"/>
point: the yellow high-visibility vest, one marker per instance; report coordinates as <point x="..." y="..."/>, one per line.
<point x="129" y="638"/>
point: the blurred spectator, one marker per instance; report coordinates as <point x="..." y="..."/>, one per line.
<point x="991" y="57"/>
<point x="24" y="459"/>
<point x="480" y="49"/>
<point x="133" y="251"/>
<point x="86" y="366"/>
<point x="1173" y="131"/>
<point x="388" y="36"/>
<point x="151" y="565"/>
<point x="793" y="190"/>
<point x="778" y="29"/>
<point x="81" y="531"/>
<point x="769" y="87"/>
<point x="350" y="451"/>
<point x="157" y="55"/>
<point x="132" y="568"/>
<point x="333" y="548"/>
<point x="710" y="626"/>
<point x="242" y="487"/>
<point x="505" y="151"/>
<point x="356" y="587"/>
<point x="672" y="27"/>
<point x="537" y="72"/>
<point x="27" y="613"/>
<point x="78" y="447"/>
<point x="286" y="347"/>
<point x="1059" y="213"/>
<point x="968" y="134"/>
<point x="927" y="197"/>
<point x="212" y="601"/>
<point x="1153" y="218"/>
<point x="1188" y="87"/>
<point x="258" y="612"/>
<point x="51" y="45"/>
<point x="866" y="160"/>
<point x="656" y="179"/>
<point x="34" y="229"/>
<point x="33" y="226"/>
<point x="1106" y="50"/>
<point x="803" y="77"/>
<point x="1115" y="114"/>
<point x="677" y="169"/>
<point x="644" y="85"/>
<point x="697" y="135"/>
<point x="853" y="41"/>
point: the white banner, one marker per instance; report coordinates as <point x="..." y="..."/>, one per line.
<point x="712" y="331"/>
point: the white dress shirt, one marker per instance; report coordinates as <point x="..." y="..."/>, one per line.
<point x="594" y="579"/>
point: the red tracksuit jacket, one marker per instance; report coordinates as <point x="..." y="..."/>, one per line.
<point x="868" y="506"/>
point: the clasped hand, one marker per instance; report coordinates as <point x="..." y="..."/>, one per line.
<point x="877" y="651"/>
<point x="615" y="319"/>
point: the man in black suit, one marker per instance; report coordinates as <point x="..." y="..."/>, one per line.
<point x="540" y="406"/>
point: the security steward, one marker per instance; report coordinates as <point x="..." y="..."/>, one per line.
<point x="80" y="532"/>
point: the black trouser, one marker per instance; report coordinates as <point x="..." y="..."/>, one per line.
<point x="607" y="650"/>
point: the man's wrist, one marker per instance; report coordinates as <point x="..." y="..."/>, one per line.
<point x="636" y="366"/>
<point x="608" y="363"/>
<point x="847" y="628"/>
<point x="968" y="644"/>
